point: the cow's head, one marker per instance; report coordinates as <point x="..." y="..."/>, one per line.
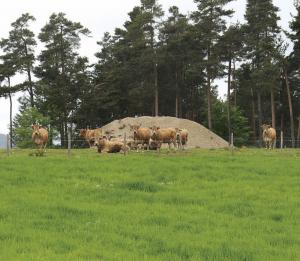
<point x="36" y="129"/>
<point x="265" y="126"/>
<point x="82" y="133"/>
<point x="100" y="143"/>
<point x="134" y="128"/>
<point x="154" y="129"/>
<point x="178" y="133"/>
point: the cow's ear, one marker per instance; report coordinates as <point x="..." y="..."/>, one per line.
<point x="32" y="126"/>
<point x="158" y="128"/>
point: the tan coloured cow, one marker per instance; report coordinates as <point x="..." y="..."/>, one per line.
<point x="269" y="136"/>
<point x="90" y="135"/>
<point x="181" y="137"/>
<point x="39" y="136"/>
<point x="108" y="146"/>
<point x="141" y="135"/>
<point x="161" y="136"/>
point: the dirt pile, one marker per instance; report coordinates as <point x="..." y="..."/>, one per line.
<point x="199" y="136"/>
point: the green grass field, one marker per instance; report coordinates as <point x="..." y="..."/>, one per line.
<point x="196" y="205"/>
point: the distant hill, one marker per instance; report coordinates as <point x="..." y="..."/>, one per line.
<point x="2" y="141"/>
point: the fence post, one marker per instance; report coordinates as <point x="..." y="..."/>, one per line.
<point x="8" y="148"/>
<point x="69" y="142"/>
<point x="125" y="144"/>
<point x="231" y="143"/>
<point x="281" y="140"/>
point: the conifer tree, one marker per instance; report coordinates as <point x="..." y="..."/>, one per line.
<point x="210" y="21"/>
<point x="20" y="44"/>
<point x="263" y="45"/>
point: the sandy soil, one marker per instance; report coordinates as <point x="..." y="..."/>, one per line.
<point x="199" y="136"/>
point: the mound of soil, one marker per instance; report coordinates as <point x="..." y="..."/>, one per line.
<point x="199" y="136"/>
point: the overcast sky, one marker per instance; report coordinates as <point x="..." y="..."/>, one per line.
<point x="100" y="16"/>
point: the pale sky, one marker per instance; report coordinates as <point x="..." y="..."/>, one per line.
<point x="100" y="16"/>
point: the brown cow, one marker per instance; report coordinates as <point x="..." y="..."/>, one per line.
<point x="39" y="136"/>
<point x="105" y="145"/>
<point x="167" y="135"/>
<point x="141" y="135"/>
<point x="90" y="135"/>
<point x="269" y="136"/>
<point x="181" y="137"/>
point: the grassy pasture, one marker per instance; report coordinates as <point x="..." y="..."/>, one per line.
<point x="196" y="205"/>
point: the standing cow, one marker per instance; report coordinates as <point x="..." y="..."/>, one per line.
<point x="90" y="135"/>
<point x="39" y="136"/>
<point x="269" y="136"/>
<point x="141" y="135"/>
<point x="161" y="136"/>
<point x="181" y="137"/>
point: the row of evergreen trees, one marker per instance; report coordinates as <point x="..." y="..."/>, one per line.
<point x="161" y="64"/>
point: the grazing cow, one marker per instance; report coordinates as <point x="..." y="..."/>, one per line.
<point x="269" y="136"/>
<point x="167" y="135"/>
<point x="141" y="135"/>
<point x="39" y="136"/>
<point x="90" y="135"/>
<point x="108" y="146"/>
<point x="181" y="137"/>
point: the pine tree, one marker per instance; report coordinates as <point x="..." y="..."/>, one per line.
<point x="210" y="22"/>
<point x="174" y="47"/>
<point x="230" y="46"/>
<point x="263" y="45"/>
<point x="21" y="44"/>
<point x="56" y="70"/>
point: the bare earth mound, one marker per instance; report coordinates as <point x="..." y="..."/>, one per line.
<point x="199" y="136"/>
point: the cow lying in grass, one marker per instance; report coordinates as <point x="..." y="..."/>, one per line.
<point x="110" y="146"/>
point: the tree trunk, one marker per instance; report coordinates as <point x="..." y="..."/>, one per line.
<point x="253" y="124"/>
<point x="298" y="133"/>
<point x="273" y="109"/>
<point x="30" y="88"/>
<point x="228" y="102"/>
<point x="235" y="90"/>
<point x="290" y="107"/>
<point x="29" y="79"/>
<point x="208" y="94"/>
<point x="176" y="98"/>
<point x="259" y="116"/>
<point x="10" y="114"/>
<point x="155" y="88"/>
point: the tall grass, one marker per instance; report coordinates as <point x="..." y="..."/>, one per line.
<point x="196" y="205"/>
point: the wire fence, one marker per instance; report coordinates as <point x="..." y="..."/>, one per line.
<point x="75" y="143"/>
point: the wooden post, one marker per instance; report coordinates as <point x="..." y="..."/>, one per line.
<point x="231" y="143"/>
<point x="125" y="145"/>
<point x="281" y="140"/>
<point x="69" y="142"/>
<point x="8" y="144"/>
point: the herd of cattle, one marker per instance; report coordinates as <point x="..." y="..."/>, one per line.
<point x="140" y="137"/>
<point x="150" y="138"/>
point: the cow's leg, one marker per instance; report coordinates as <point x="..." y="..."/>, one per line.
<point x="148" y="145"/>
